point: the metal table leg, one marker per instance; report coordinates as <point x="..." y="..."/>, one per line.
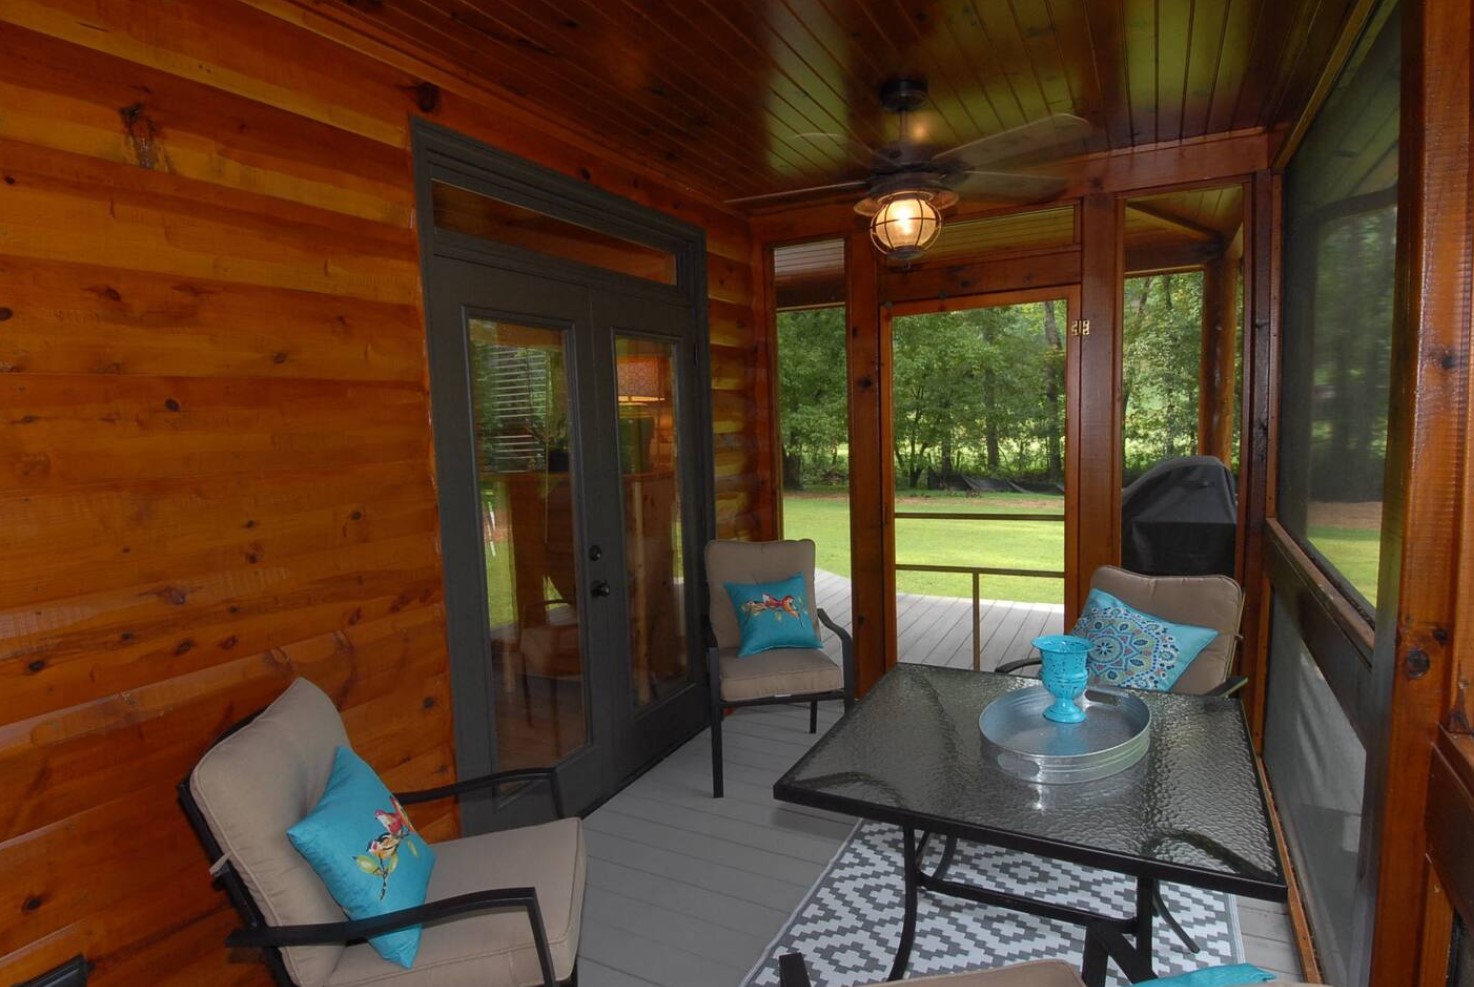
<point x="912" y="864"/>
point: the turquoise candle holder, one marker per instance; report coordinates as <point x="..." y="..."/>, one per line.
<point x="1064" y="674"/>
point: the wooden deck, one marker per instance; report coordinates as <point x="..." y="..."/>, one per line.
<point x="937" y="630"/>
<point x="687" y="891"/>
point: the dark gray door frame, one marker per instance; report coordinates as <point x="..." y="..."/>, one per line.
<point x="441" y="155"/>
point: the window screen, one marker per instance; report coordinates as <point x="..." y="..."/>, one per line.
<point x="1341" y="222"/>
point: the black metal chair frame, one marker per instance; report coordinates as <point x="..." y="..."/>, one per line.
<point x="719" y="706"/>
<point x="271" y="939"/>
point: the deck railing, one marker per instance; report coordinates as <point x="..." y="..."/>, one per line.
<point x="977" y="571"/>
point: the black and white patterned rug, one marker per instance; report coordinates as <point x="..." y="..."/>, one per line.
<point x="850" y="922"/>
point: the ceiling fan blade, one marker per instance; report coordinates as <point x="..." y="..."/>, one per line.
<point x="1008" y="186"/>
<point x="1055" y="136"/>
<point x="830" y="144"/>
<point x="791" y="193"/>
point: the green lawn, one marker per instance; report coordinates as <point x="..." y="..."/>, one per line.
<point x="1022" y="545"/>
<point x="1355" y="552"/>
<point x="1004" y="544"/>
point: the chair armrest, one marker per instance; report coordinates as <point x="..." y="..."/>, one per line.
<point x="846" y="650"/>
<point x="489" y="781"/>
<point x="791" y="971"/>
<point x="1014" y="666"/>
<point x="340" y="933"/>
<point x="1228" y="686"/>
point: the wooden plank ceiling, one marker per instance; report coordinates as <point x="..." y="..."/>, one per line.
<point x="715" y="91"/>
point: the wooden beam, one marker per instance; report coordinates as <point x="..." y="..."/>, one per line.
<point x="981" y="277"/>
<point x="1424" y="589"/>
<point x="872" y="537"/>
<point x="1167" y="220"/>
<point x="1093" y="419"/>
<point x="1259" y="437"/>
<point x="1150" y="167"/>
<point x="1168" y="258"/>
<point x="1216" y="358"/>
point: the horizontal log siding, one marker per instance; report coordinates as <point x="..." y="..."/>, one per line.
<point x="215" y="460"/>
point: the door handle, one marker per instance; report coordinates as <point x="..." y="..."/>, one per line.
<point x="601" y="588"/>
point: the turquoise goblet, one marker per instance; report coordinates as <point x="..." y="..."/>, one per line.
<point x="1064" y="674"/>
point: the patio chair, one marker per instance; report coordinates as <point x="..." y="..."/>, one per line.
<point x="502" y="908"/>
<point x="782" y="675"/>
<point x="1216" y="602"/>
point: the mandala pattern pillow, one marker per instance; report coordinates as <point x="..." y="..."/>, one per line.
<point x="1134" y="649"/>
<point x="773" y="615"/>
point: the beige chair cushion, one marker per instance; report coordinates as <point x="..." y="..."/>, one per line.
<point x="752" y="562"/>
<point x="494" y="949"/>
<point x="1044" y="973"/>
<point x="1204" y="601"/>
<point x="256" y="783"/>
<point x="780" y="672"/>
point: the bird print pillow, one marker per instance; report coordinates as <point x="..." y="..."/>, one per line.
<point x="363" y="846"/>
<point x="773" y="615"/>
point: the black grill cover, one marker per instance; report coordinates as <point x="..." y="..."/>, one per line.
<point x="1179" y="519"/>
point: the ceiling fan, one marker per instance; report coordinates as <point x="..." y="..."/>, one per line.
<point x="910" y="183"/>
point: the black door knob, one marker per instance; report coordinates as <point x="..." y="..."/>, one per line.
<point x="601" y="588"/>
<point x="595" y="553"/>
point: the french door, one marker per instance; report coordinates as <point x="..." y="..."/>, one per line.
<point x="982" y="394"/>
<point x="569" y="507"/>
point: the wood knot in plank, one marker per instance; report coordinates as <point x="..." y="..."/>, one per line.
<point x="144" y="137"/>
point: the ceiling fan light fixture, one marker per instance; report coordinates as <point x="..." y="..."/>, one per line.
<point x="906" y="223"/>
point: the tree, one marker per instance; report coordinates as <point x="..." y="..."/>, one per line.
<point x="813" y="397"/>
<point x="1162" y="338"/>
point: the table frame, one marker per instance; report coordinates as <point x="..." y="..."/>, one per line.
<point x="1106" y="935"/>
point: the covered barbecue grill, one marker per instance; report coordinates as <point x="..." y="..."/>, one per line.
<point x="1179" y="519"/>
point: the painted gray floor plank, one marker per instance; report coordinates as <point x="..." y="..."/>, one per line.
<point x="592" y="972"/>
<point x="659" y="963"/>
<point x="717" y="878"/>
<point x="720" y="943"/>
<point x="703" y="903"/>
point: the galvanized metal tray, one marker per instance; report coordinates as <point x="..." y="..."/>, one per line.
<point x="1113" y="736"/>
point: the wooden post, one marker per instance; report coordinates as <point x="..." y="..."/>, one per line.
<point x="1258" y="440"/>
<point x="872" y="537"/>
<point x="1216" y="358"/>
<point x="1093" y="417"/>
<point x="1424" y="592"/>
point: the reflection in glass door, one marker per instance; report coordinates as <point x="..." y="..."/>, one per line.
<point x="979" y="393"/>
<point x="519" y="383"/>
<point x="649" y="430"/>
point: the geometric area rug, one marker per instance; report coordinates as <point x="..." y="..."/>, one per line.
<point x="848" y="925"/>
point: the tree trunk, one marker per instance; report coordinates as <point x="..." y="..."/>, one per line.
<point x="793" y="463"/>
<point x="990" y="399"/>
<point x="1051" y="394"/>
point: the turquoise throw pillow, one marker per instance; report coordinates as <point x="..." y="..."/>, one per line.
<point x="1216" y="976"/>
<point x="1134" y="649"/>
<point x="362" y="845"/>
<point x="773" y="615"/>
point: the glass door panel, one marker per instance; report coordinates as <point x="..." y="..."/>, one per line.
<point x="649" y="429"/>
<point x="520" y="386"/>
<point x="979" y="395"/>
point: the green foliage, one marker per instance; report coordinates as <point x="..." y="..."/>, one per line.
<point x="1162" y="329"/>
<point x="813" y="397"/>
<point x="982" y="391"/>
<point x="979" y="391"/>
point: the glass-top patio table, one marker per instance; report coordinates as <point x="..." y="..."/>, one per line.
<point x="1192" y="811"/>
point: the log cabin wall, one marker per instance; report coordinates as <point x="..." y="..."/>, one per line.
<point x="216" y="445"/>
